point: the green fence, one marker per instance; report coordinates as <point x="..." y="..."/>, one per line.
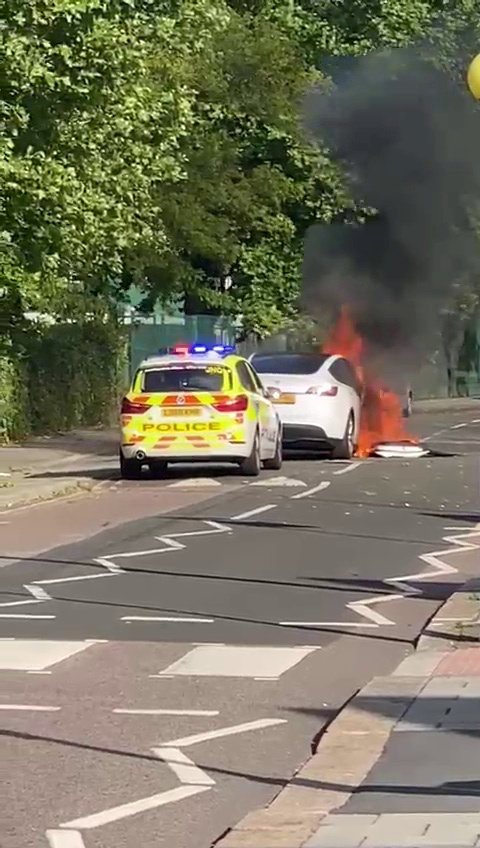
<point x="147" y="338"/>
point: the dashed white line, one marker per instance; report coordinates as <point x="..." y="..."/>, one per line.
<point x="36" y="708"/>
<point x="167" y="619"/>
<point x="14" y="615"/>
<point x="251" y="512"/>
<point x="458" y="426"/>
<point x="120" y="711"/>
<point x="233" y="730"/>
<point x="321" y="486"/>
<point x="349" y="468"/>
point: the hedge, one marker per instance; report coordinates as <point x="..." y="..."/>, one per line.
<point x="55" y="378"/>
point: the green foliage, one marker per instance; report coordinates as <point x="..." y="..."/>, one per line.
<point x="62" y="376"/>
<point x="158" y="142"/>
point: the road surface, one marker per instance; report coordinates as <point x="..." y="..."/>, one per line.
<point x="165" y="673"/>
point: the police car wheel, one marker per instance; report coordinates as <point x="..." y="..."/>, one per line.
<point x="251" y="465"/>
<point x="130" y="469"/>
<point x="275" y="463"/>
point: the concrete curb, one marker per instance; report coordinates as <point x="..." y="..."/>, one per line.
<point x="446" y="405"/>
<point x="450" y="626"/>
<point x="348" y="749"/>
<point x="68" y="489"/>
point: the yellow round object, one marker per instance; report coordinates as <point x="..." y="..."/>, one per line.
<point x="473" y="77"/>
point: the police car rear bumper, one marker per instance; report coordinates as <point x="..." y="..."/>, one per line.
<point x="228" y="452"/>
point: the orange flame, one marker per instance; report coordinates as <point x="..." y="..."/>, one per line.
<point x="382" y="417"/>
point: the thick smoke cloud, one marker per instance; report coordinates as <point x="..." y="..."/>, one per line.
<point x="410" y="140"/>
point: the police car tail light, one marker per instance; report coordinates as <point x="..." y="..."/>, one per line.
<point x="325" y="390"/>
<point x="235" y="404"/>
<point x="130" y="408"/>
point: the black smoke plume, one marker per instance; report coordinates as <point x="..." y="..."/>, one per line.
<point x="408" y="138"/>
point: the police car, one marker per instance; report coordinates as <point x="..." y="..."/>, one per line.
<point x="198" y="404"/>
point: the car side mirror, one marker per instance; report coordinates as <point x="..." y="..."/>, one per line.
<point x="271" y="393"/>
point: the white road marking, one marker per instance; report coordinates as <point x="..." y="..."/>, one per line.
<point x="123" y="811"/>
<point x="279" y="481"/>
<point x="37" y="592"/>
<point x="349" y="468"/>
<point x="110" y="566"/>
<point x="167" y="619"/>
<point x="29" y="707"/>
<point x="364" y="608"/>
<point x="475" y="421"/>
<point x="251" y="512"/>
<point x="460" y="543"/>
<point x="19" y="603"/>
<point x="321" y="486"/>
<point x="237" y="661"/>
<point x="65" y="839"/>
<point x="37" y="617"/>
<point x="325" y="624"/>
<point x="37" y="654"/>
<point x="120" y="711"/>
<point x="195" y="483"/>
<point x="221" y="732"/>
<point x="172" y="547"/>
<point x="458" y="426"/>
<point x="184" y="768"/>
<point x="72" y="579"/>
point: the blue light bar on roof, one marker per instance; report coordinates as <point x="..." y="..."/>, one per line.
<point x="223" y="348"/>
<point x="198" y="348"/>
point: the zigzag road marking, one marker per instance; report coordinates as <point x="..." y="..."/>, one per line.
<point x="193" y="780"/>
<point x="373" y="618"/>
<point x="110" y="568"/>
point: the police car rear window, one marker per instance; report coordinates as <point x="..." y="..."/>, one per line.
<point x="181" y="379"/>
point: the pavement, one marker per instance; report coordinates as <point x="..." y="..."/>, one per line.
<point x="398" y="767"/>
<point x="56" y="466"/>
<point x="172" y="651"/>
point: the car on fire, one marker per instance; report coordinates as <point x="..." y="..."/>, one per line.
<point x="198" y="404"/>
<point x="319" y="398"/>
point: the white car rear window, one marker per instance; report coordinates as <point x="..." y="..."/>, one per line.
<point x="288" y="363"/>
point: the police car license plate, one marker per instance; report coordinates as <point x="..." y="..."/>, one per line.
<point x="181" y="412"/>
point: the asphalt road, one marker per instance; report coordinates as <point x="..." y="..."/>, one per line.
<point x="188" y="660"/>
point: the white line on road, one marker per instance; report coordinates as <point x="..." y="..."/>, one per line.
<point x="71" y="579"/>
<point x="37" y="592"/>
<point x="141" y="806"/>
<point x="458" y="426"/>
<point x="33" y="707"/>
<point x="349" y="468"/>
<point x="110" y="566"/>
<point x="325" y="624"/>
<point x="184" y="768"/>
<point x="19" y="603"/>
<point x="321" y="486"/>
<point x="233" y="730"/>
<point x="168" y="619"/>
<point x="251" y="512"/>
<point x="16" y="615"/>
<point x="65" y="839"/>
<point x="167" y="712"/>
